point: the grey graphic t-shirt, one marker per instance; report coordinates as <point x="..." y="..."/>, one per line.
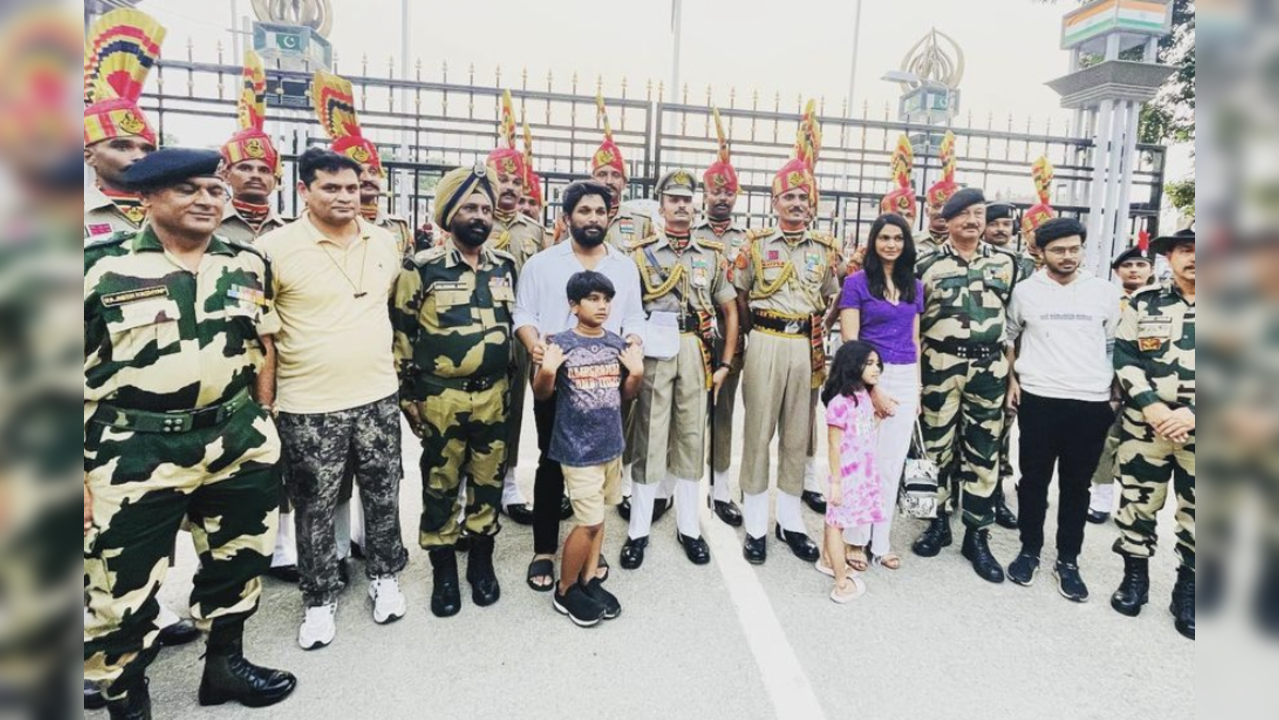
<point x="588" y="397"/>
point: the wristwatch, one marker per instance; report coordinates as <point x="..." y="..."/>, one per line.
<point x="724" y="366"/>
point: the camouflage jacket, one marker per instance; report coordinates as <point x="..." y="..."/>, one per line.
<point x="1155" y="348"/>
<point x="521" y="238"/>
<point x="452" y="321"/>
<point x="789" y="280"/>
<point x="967" y="302"/>
<point x="160" y="338"/>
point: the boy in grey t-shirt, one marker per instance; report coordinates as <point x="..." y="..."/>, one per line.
<point x="589" y="371"/>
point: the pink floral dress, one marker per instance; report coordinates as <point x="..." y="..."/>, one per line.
<point x="862" y="494"/>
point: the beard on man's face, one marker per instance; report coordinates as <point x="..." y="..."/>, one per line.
<point x="591" y="236"/>
<point x="472" y="234"/>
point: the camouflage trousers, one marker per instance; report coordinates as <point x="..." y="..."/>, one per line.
<point x="318" y="450"/>
<point x="963" y="422"/>
<point x="1108" y="464"/>
<point x="465" y="436"/>
<point x="144" y="486"/>
<point x="1147" y="464"/>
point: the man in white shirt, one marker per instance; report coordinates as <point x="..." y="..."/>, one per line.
<point x="541" y="310"/>
<point x="1061" y="337"/>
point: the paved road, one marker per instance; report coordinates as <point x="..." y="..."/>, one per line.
<point x="726" y="641"/>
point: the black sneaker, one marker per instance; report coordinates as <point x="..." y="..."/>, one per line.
<point x="579" y="607"/>
<point x="1069" y="582"/>
<point x="1024" y="569"/>
<point x="612" y="608"/>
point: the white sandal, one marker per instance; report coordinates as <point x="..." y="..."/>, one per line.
<point x="859" y="589"/>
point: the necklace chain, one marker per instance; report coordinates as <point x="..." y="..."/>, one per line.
<point x="364" y="262"/>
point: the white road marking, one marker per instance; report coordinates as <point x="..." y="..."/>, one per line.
<point x="784" y="679"/>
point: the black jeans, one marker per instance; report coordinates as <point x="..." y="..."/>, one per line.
<point x="548" y="490"/>
<point x="1066" y="436"/>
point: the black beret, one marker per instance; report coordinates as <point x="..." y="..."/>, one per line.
<point x="1000" y="211"/>
<point x="170" y="166"/>
<point x="1132" y="253"/>
<point x="1059" y="228"/>
<point x="961" y="201"/>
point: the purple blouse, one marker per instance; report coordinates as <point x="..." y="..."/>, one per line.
<point x="889" y="328"/>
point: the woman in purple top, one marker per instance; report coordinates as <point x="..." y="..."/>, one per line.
<point x="882" y="305"/>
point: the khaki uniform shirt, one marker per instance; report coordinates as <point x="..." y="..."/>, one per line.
<point x="521" y="239"/>
<point x="790" y="280"/>
<point x="692" y="281"/>
<point x="627" y="229"/>
<point x="236" y="228"/>
<point x="102" y="217"/>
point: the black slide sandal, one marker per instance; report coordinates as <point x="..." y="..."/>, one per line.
<point x="604" y="566"/>
<point x="541" y="568"/>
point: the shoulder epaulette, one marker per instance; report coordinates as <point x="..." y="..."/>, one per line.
<point x="709" y="244"/>
<point x="426" y="256"/>
<point x="106" y="240"/>
<point x="759" y="233"/>
<point x="826" y="239"/>
<point x="243" y="247"/>
<point x="645" y="241"/>
<point x="504" y="255"/>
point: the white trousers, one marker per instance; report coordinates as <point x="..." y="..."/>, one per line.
<point x="900" y="382"/>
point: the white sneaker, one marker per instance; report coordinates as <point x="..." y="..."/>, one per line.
<point x="389" y="604"/>
<point x="319" y="628"/>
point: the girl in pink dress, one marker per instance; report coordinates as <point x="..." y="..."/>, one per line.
<point x="855" y="485"/>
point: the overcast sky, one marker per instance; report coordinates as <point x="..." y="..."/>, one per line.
<point x="796" y="47"/>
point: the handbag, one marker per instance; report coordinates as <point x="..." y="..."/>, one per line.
<point x="917" y="497"/>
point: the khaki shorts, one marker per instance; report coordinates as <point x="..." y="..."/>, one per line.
<point x="592" y="490"/>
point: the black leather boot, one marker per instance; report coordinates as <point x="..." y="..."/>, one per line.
<point x="446" y="597"/>
<point x="135" y="706"/>
<point x="1134" y="592"/>
<point x="1183" y="602"/>
<point x="485" y="589"/>
<point x="1005" y="517"/>
<point x="229" y="677"/>
<point x="935" y="537"/>
<point x="977" y="551"/>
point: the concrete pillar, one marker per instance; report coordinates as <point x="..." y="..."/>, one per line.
<point x="1131" y="159"/>
<point x="1113" y="221"/>
<point x="1101" y="146"/>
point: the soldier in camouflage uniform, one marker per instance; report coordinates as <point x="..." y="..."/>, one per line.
<point x="720" y="192"/>
<point x="685" y="284"/>
<point x="453" y="316"/>
<point x="969" y="285"/>
<point x="116" y="132"/>
<point x="521" y="238"/>
<point x="1000" y="229"/>
<point x="786" y="278"/>
<point x="176" y="329"/>
<point x="1155" y="363"/>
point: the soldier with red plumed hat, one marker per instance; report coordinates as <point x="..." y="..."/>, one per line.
<point x="938" y="195"/>
<point x="786" y="278"/>
<point x="119" y="52"/>
<point x="251" y="163"/>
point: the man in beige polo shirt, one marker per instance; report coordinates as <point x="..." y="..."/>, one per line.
<point x="337" y="391"/>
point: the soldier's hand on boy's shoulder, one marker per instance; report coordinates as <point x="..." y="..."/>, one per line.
<point x="552" y="358"/>
<point x="633" y="360"/>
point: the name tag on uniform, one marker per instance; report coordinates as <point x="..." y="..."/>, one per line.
<point x="440" y="287"/>
<point x="1152" y="334"/>
<point x="774" y="264"/>
<point x="132" y="296"/>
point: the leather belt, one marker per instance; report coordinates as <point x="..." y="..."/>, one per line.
<point x="784" y="326"/>
<point x="967" y="351"/>
<point x="471" y="385"/>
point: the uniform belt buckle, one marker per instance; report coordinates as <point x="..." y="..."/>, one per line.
<point x="793" y="327"/>
<point x="179" y="423"/>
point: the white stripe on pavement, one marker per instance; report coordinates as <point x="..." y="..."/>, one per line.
<point x="784" y="679"/>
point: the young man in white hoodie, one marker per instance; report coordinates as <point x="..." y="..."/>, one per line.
<point x="1061" y="336"/>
